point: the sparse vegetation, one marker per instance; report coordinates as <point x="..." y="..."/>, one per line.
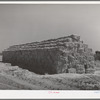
<point x="13" y="77"/>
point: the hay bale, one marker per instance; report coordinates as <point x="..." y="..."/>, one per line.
<point x="80" y="69"/>
<point x="71" y="70"/>
<point x="90" y="71"/>
<point x="8" y="64"/>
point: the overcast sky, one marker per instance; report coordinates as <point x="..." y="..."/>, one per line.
<point x="29" y="23"/>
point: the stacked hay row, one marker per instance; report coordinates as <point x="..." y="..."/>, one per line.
<point x="65" y="54"/>
<point x="97" y="55"/>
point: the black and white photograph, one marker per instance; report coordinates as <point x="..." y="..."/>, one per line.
<point x="49" y="46"/>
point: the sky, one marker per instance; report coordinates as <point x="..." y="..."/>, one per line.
<point x="25" y="23"/>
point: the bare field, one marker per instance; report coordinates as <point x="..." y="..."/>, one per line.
<point x="15" y="78"/>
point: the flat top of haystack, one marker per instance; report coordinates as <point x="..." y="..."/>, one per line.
<point x="46" y="44"/>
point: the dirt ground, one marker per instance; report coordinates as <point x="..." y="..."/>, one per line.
<point x="15" y="78"/>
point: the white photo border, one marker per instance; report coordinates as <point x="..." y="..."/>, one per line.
<point x="49" y="94"/>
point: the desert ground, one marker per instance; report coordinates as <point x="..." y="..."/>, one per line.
<point x="15" y="78"/>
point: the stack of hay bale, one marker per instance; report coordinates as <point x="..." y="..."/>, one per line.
<point x="61" y="55"/>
